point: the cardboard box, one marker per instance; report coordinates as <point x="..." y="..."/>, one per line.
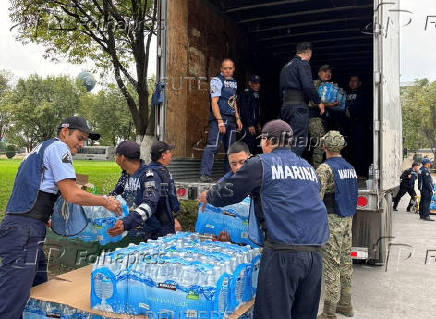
<point x="82" y="181"/>
<point x="73" y="290"/>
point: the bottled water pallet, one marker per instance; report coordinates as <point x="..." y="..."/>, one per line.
<point x="67" y="297"/>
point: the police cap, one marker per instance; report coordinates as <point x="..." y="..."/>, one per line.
<point x="78" y="123"/>
<point x="254" y="78"/>
<point x="158" y="148"/>
<point x="333" y="141"/>
<point x="129" y="149"/>
<point x="426" y="160"/>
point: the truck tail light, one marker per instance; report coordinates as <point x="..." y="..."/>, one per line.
<point x="362" y="201"/>
<point x="181" y="192"/>
<point x="353" y="254"/>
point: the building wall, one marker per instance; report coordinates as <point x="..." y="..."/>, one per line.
<point x="199" y="37"/>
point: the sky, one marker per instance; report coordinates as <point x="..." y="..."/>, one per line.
<point x="417" y="47"/>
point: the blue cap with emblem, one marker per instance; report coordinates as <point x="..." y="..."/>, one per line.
<point x="254" y="78"/>
<point x="79" y="123"/>
<point x="426" y="160"/>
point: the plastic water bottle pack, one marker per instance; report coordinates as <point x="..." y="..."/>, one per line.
<point x="433" y="199"/>
<point x="99" y="221"/>
<point x="176" y="276"/>
<point x="233" y="219"/>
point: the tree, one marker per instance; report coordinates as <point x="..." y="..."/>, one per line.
<point x="419" y="115"/>
<point x="5" y="77"/>
<point x="113" y="34"/>
<point x="36" y="106"/>
<point x="108" y="114"/>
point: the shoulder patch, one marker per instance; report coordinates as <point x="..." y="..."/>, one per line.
<point x="67" y="158"/>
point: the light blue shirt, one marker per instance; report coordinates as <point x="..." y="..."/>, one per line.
<point x="215" y="87"/>
<point x="58" y="164"/>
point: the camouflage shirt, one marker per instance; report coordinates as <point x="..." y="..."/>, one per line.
<point x="326" y="178"/>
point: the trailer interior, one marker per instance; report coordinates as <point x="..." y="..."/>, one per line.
<point x="260" y="36"/>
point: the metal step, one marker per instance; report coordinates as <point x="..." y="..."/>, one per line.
<point x="189" y="168"/>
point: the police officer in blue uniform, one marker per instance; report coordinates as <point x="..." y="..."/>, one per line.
<point x="151" y="188"/>
<point x="293" y="218"/>
<point x="224" y="118"/>
<point x="425" y="186"/>
<point x="407" y="185"/>
<point x="249" y="106"/>
<point x="297" y="89"/>
<point x="45" y="172"/>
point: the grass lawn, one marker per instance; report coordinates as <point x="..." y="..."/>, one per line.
<point x="102" y="174"/>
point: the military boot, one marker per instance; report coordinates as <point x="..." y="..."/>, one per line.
<point x="329" y="311"/>
<point x="344" y="306"/>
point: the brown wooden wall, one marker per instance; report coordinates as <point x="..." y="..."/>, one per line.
<point x="199" y="37"/>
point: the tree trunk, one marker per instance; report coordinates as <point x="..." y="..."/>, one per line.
<point x="145" y="141"/>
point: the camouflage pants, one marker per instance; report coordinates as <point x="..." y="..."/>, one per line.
<point x="316" y="131"/>
<point x="337" y="263"/>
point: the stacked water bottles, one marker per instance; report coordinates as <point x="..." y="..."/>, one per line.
<point x="181" y="276"/>
<point x="233" y="219"/>
<point x="433" y="200"/>
<point x="330" y="93"/>
<point x="99" y="221"/>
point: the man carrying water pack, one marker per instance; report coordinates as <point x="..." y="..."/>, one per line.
<point x="148" y="190"/>
<point x="289" y="283"/>
<point x="44" y="172"/>
<point x="237" y="154"/>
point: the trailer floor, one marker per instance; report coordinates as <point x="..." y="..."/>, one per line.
<point x="406" y="288"/>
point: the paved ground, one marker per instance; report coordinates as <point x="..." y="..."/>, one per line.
<point x="406" y="288"/>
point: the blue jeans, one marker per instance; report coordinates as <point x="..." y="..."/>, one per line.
<point x="23" y="263"/>
<point x="289" y="285"/>
<point x="214" y="140"/>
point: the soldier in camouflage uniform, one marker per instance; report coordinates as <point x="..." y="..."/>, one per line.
<point x="337" y="263"/>
<point x="316" y="120"/>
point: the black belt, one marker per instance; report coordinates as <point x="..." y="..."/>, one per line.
<point x="292" y="248"/>
<point x="43" y="207"/>
<point x="291" y="96"/>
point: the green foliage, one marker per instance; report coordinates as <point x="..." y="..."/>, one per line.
<point x="108" y="114"/>
<point x="5" y="78"/>
<point x="419" y="115"/>
<point x="10" y="150"/>
<point x="112" y="34"/>
<point x="36" y="106"/>
<point x="188" y="215"/>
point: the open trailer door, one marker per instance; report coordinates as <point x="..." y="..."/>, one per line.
<point x="388" y="121"/>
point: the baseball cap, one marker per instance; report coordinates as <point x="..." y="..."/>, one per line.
<point x="426" y="160"/>
<point x="78" y="123"/>
<point x="333" y="141"/>
<point x="254" y="78"/>
<point x="324" y="67"/>
<point x="276" y="128"/>
<point x="159" y="147"/>
<point x="129" y="149"/>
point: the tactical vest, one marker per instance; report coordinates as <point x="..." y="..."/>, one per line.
<point x="167" y="191"/>
<point x="343" y="202"/>
<point x="28" y="181"/>
<point x="293" y="212"/>
<point x="227" y="99"/>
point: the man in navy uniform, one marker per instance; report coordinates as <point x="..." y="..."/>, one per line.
<point x="224" y="118"/>
<point x="44" y="172"/>
<point x="249" y="106"/>
<point x="150" y="189"/>
<point x="425" y="186"/>
<point x="287" y="205"/>
<point x="339" y="193"/>
<point x="407" y="185"/>
<point x="297" y="89"/>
